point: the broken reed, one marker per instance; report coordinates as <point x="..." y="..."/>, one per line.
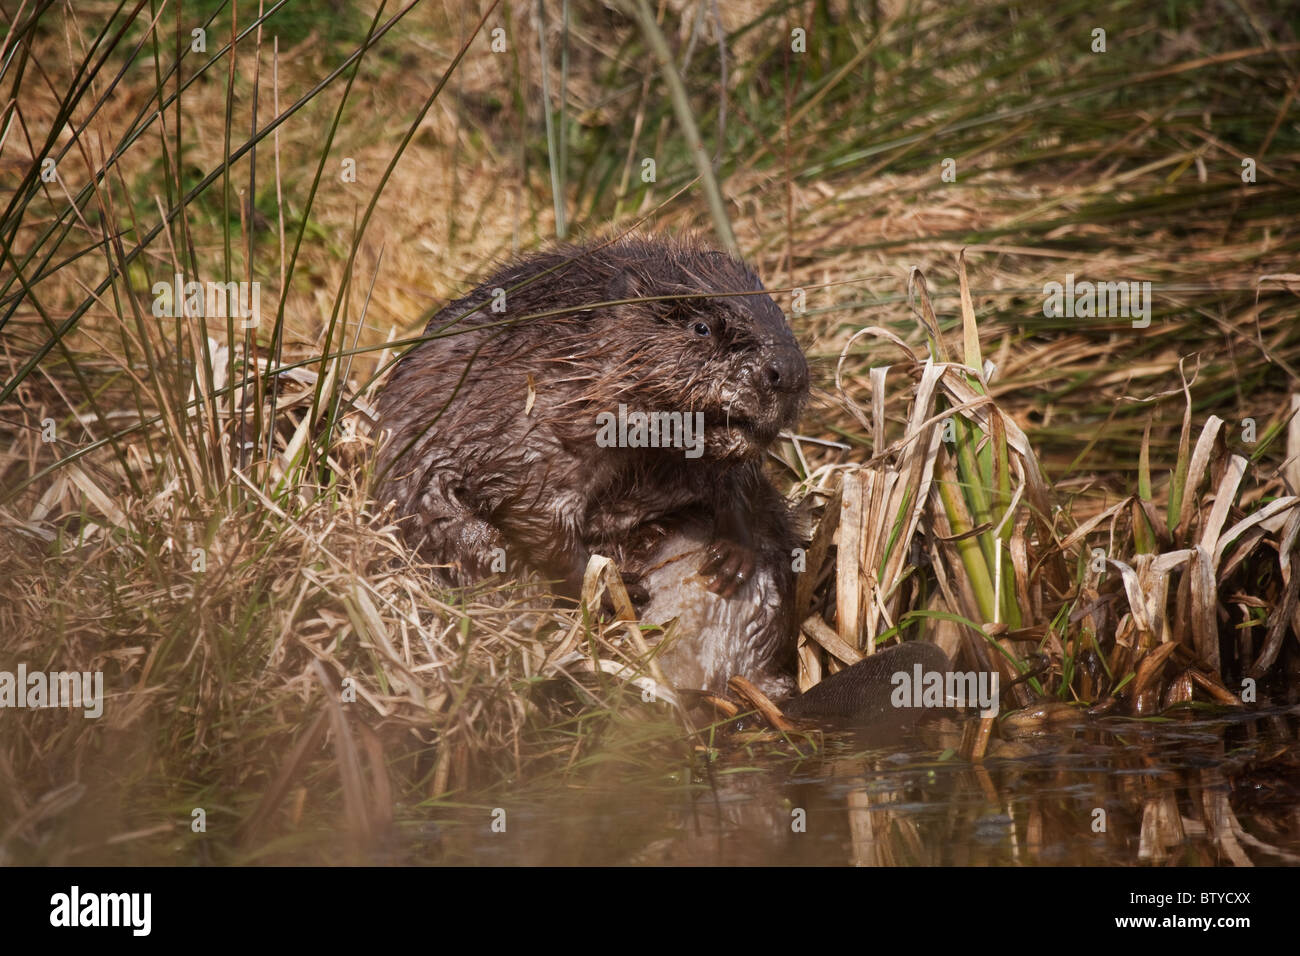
<point x="965" y="476"/>
<point x="998" y="548"/>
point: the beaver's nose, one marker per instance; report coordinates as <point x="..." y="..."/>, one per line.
<point x="785" y="371"/>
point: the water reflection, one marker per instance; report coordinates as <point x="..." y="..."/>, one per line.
<point x="1066" y="789"/>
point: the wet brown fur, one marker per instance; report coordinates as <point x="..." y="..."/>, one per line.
<point x="492" y="433"/>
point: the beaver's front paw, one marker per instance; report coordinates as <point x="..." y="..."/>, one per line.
<point x="728" y="565"/>
<point x="636" y="590"/>
<point x="636" y="593"/>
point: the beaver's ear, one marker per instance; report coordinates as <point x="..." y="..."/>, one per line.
<point x="624" y="285"/>
<point x="628" y="285"/>
<point x="627" y="288"/>
<point x="733" y="265"/>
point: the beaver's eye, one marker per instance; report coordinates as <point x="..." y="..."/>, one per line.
<point x="702" y="328"/>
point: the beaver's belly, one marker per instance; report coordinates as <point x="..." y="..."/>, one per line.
<point x="751" y="634"/>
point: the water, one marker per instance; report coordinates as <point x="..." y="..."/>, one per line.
<point x="1200" y="789"/>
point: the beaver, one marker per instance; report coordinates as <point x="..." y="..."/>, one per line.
<point x="613" y="397"/>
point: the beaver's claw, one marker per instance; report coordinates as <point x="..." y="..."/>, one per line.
<point x="728" y="566"/>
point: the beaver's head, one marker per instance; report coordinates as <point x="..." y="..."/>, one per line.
<point x="695" y="332"/>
